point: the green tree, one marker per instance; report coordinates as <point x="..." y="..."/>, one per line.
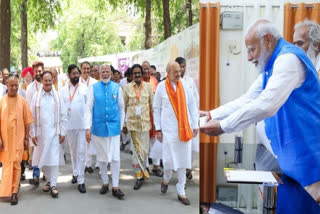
<point x="35" y="16"/>
<point x="5" y="30"/>
<point x="86" y="33"/>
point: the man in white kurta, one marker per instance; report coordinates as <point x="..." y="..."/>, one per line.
<point x="74" y="97"/>
<point x="104" y="118"/>
<point x="47" y="131"/>
<point x="189" y="83"/>
<point x="32" y="89"/>
<point x="88" y="81"/>
<point x="176" y="153"/>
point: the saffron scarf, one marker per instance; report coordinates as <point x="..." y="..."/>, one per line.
<point x="178" y="102"/>
<point x="57" y="111"/>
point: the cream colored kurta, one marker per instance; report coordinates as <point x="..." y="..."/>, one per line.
<point x="47" y="153"/>
<point x="176" y="154"/>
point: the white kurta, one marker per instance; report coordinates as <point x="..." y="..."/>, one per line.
<point x="32" y="88"/>
<point x="193" y="88"/>
<point x="317" y="64"/>
<point x="75" y="127"/>
<point x="176" y="154"/>
<point x="257" y="104"/>
<point x="91" y="148"/>
<point x="108" y="148"/>
<point x="47" y="153"/>
<point x="3" y="90"/>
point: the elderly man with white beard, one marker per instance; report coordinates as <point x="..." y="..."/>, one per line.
<point x="286" y="96"/>
<point x="104" y="119"/>
<point x="307" y="36"/>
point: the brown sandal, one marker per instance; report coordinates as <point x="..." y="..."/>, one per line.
<point x="54" y="192"/>
<point x="157" y="172"/>
<point x="47" y="187"/>
<point x="189" y="174"/>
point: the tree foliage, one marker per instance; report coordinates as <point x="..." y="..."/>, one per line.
<point x="88" y="33"/>
<point x="42" y="16"/>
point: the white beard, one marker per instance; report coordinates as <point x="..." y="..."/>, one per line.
<point x="106" y="80"/>
<point x="262" y="60"/>
<point x="312" y="55"/>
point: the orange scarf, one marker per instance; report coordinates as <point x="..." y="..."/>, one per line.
<point x="178" y="102"/>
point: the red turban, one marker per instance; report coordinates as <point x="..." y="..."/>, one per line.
<point x="26" y="70"/>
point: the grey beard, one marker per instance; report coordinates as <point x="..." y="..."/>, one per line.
<point x="263" y="60"/>
<point x="106" y="80"/>
<point x="312" y="55"/>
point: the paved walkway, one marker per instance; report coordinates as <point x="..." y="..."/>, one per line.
<point x="148" y="199"/>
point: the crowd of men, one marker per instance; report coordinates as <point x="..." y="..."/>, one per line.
<point x="97" y="112"/>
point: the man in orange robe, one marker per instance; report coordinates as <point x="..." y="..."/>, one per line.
<point x="15" y="117"/>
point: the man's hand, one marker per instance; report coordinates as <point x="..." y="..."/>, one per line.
<point x="212" y="128"/>
<point x="195" y="132"/>
<point x="35" y="141"/>
<point x="159" y="136"/>
<point x="204" y="114"/>
<point x="88" y="135"/>
<point x="26" y="143"/>
<point x="61" y="139"/>
<point x="1" y="146"/>
<point x="124" y="130"/>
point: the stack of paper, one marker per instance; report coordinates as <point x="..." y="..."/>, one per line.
<point x="250" y="177"/>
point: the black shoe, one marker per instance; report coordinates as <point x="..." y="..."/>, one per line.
<point x="23" y="177"/>
<point x="138" y="184"/>
<point x="82" y="188"/>
<point x="74" y="179"/>
<point x="150" y="160"/>
<point x="14" y="199"/>
<point x="34" y="181"/>
<point x="104" y="189"/>
<point x="88" y="169"/>
<point x="118" y="194"/>
<point x="44" y="178"/>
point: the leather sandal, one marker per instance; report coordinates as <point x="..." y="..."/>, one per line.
<point x="54" y="192"/>
<point x="157" y="172"/>
<point x="47" y="187"/>
<point x="189" y="174"/>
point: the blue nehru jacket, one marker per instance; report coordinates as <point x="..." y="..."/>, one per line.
<point x="294" y="131"/>
<point x="106" y="114"/>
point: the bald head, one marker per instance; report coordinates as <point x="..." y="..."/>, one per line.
<point x="12" y="85"/>
<point x="173" y="71"/>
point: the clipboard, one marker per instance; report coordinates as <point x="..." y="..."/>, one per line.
<point x="251" y="177"/>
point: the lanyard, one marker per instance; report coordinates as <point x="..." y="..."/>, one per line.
<point x="84" y="81"/>
<point x="37" y="86"/>
<point x="74" y="92"/>
<point x="135" y="91"/>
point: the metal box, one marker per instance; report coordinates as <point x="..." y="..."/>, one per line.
<point x="231" y="20"/>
